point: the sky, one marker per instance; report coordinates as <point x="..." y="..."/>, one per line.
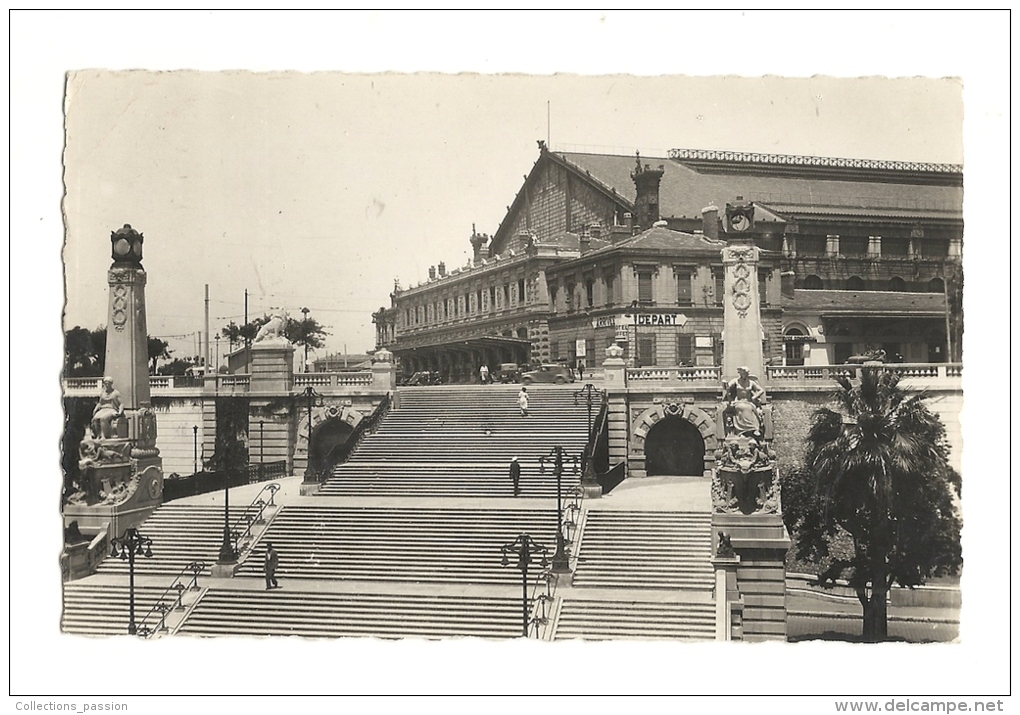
<point x="319" y="191"/>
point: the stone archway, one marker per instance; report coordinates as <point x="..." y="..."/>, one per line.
<point x="644" y="424"/>
<point x="674" y="447"/>
<point x="331" y="426"/>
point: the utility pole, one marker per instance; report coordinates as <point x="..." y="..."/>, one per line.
<point x="208" y="335"/>
<point x="247" y="344"/>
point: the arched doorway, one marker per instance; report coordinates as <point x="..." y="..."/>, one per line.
<point x="327" y="437"/>
<point x="675" y="447"/>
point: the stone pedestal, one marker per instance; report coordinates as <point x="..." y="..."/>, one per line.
<point x="272" y="366"/>
<point x="760" y="541"/>
<point x="384" y="373"/>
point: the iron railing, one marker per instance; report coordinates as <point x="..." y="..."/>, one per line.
<point x="163" y="607"/>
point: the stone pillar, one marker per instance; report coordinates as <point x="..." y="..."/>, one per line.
<point x="727" y="597"/>
<point x="615" y="368"/>
<point x="742" y="311"/>
<point x="383" y="372"/>
<point x="832" y="245"/>
<point x="760" y="543"/>
<point x="874" y="246"/>
<point x="272" y="366"/>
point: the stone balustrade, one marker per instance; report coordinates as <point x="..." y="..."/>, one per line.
<point x="706" y="374"/>
<point x="813" y="373"/>
<point x="170" y="385"/>
<point x="333" y="379"/>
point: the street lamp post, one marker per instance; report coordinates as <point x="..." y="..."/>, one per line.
<point x="589" y="391"/>
<point x="525" y="548"/>
<point x="560" y="560"/>
<point x="304" y="329"/>
<point x="262" y="442"/>
<point x="634" y="311"/>
<point x="195" y="432"/>
<point x="311" y="397"/>
<point x="126" y="547"/>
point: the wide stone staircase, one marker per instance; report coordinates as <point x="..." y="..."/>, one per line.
<point x="457" y="441"/>
<point x="333" y="615"/>
<point x="651" y="549"/>
<point x="184" y="533"/>
<point x="391" y="549"/>
<point x="423" y="545"/>
<point x="640" y="575"/>
<point x="102" y="609"/>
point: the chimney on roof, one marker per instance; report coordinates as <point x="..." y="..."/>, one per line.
<point x="710" y="222"/>
<point x="786" y="283"/>
<point x="432" y="273"/>
<point x="646" y="181"/>
<point x="478" y="240"/>
<point x="442" y="269"/>
<point x="584" y="239"/>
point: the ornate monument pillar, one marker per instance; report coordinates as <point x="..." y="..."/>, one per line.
<point x="121" y="473"/>
<point x="741" y="313"/>
<point x="747" y="514"/>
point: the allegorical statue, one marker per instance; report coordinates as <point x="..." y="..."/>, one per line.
<point x="744" y="397"/>
<point x="108" y="409"/>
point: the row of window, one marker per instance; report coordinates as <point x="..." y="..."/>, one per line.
<point x="858" y="246"/>
<point x="813" y="282"/>
<point x="644" y="350"/>
<point x="685" y="292"/>
<point x="474" y="302"/>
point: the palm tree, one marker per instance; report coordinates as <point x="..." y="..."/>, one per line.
<point x="881" y="474"/>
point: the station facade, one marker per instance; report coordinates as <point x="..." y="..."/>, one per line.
<point x="856" y="256"/>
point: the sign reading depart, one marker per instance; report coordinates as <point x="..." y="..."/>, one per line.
<point x="641" y="319"/>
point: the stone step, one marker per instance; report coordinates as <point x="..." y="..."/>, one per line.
<point x="317" y="615"/>
<point x="634" y="621"/>
<point x="103" y="609"/>
<point x="399" y="544"/>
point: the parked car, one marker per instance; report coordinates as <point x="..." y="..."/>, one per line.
<point x="423" y="377"/>
<point x="558" y="374"/>
<point x="507" y="372"/>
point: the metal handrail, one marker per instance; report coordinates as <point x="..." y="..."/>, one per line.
<point x="539" y="613"/>
<point x="365" y="427"/>
<point x="253" y="514"/>
<point x="196" y="567"/>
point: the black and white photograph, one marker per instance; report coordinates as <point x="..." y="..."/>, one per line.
<point x="610" y="372"/>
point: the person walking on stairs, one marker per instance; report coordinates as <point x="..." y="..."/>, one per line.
<point x="515" y="475"/>
<point x="272" y="561"/>
<point x="522" y="401"/>
<point x="483" y="374"/>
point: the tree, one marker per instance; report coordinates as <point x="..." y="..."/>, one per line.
<point x="177" y="366"/>
<point x="240" y="334"/>
<point x="84" y="352"/>
<point x="158" y="350"/>
<point x="877" y="472"/>
<point x="306" y="331"/>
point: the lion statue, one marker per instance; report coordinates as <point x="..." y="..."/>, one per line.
<point x="273" y="330"/>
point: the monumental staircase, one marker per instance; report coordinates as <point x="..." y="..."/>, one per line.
<point x="457" y="441"/>
<point x="390" y="548"/>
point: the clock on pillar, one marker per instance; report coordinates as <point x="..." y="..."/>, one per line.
<point x="740" y="216"/>
<point x="127" y="245"/>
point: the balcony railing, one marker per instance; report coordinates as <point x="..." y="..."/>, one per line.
<point x="799" y="373"/>
<point x="167" y="385"/>
<point x="333" y="379"/>
<point x="705" y="374"/>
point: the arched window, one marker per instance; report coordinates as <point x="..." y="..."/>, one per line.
<point x="813" y="282"/>
<point x="897" y="284"/>
<point x="936" y="285"/>
<point x="855" y="283"/>
<point x="793" y="339"/>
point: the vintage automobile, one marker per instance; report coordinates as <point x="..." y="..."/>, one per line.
<point x="423" y="378"/>
<point x="506" y="373"/>
<point x="558" y="374"/>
